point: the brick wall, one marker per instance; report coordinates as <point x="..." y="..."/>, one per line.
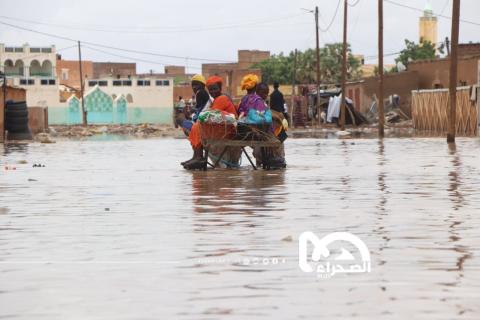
<point x="71" y="69"/>
<point x="435" y="73"/>
<point x="113" y="69"/>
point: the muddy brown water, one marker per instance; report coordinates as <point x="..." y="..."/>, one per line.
<point x="118" y="230"/>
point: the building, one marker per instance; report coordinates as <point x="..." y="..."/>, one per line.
<point x="68" y="72"/>
<point x="232" y="73"/>
<point x="52" y="82"/>
<point x="428" y="29"/>
<point x="33" y="69"/>
<point x="368" y="70"/>
<point x="114" y="70"/>
<point x="434" y="74"/>
<point x="119" y="100"/>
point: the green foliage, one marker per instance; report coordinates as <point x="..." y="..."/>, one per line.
<point x="420" y="51"/>
<point x="280" y="67"/>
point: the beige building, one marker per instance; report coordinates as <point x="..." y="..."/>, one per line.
<point x="428" y="30"/>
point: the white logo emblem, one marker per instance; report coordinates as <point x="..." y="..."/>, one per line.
<point x="345" y="262"/>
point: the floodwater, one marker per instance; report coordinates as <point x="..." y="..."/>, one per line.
<point x="118" y="230"/>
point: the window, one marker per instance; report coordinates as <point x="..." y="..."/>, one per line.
<point x="117" y="83"/>
<point x="160" y="82"/>
<point x="92" y="83"/>
<point x="34" y="50"/>
<point x="18" y="49"/>
<point x="127" y="82"/>
<point x="166" y="82"/>
<point x="47" y="82"/>
<point x="143" y="83"/>
<point x="47" y="50"/>
<point x="64" y="74"/>
<point x="8" y="49"/>
<point x="26" y="82"/>
<point x="103" y="83"/>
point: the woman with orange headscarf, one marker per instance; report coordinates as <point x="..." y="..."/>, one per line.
<point x="220" y="102"/>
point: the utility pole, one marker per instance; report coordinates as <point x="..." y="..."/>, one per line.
<point x="381" y="115"/>
<point x="453" y="72"/>
<point x="84" y="112"/>
<point x="294" y="80"/>
<point x="344" y="66"/>
<point x="318" y="62"/>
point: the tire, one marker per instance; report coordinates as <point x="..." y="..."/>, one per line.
<point x="18" y="128"/>
<point x="16" y="120"/>
<point x="22" y="105"/>
<point x="16" y="113"/>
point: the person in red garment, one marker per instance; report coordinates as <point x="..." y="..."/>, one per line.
<point x="220" y="102"/>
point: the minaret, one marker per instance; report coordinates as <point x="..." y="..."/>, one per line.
<point x="428" y="25"/>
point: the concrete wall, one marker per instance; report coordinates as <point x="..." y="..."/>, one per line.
<point x="363" y="93"/>
<point x="434" y="74"/>
<point x="152" y="103"/>
<point x="13" y="93"/>
<point x="38" y="119"/>
<point x="113" y="69"/>
<point x="68" y="72"/>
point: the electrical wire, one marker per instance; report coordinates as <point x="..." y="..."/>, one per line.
<point x="164" y="30"/>
<point x="110" y="47"/>
<point x="131" y="58"/>
<point x="438" y="15"/>
<point x="353" y="5"/>
<point x="333" y="18"/>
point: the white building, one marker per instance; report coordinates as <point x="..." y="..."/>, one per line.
<point x="32" y="68"/>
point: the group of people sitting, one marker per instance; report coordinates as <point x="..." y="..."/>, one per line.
<point x="252" y="110"/>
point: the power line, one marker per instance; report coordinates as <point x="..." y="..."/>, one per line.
<point x="110" y="47"/>
<point x="438" y="15"/>
<point x="164" y="30"/>
<point x="130" y="58"/>
<point x="445" y="6"/>
<point x="353" y="5"/>
<point x="333" y="18"/>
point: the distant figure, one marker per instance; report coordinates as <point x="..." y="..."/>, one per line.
<point x="181" y="102"/>
<point x="277" y="102"/>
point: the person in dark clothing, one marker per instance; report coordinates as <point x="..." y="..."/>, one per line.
<point x="277" y="102"/>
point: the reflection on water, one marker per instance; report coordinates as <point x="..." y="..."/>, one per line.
<point x="119" y="230"/>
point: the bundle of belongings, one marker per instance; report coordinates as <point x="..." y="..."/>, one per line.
<point x="352" y="116"/>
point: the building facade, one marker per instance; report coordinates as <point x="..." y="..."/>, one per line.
<point x="232" y="73"/>
<point x="109" y="87"/>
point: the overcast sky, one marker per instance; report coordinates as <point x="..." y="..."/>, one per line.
<point x="216" y="29"/>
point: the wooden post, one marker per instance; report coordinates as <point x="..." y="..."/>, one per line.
<point x="84" y="112"/>
<point x="453" y="72"/>
<point x="381" y="114"/>
<point x="344" y="66"/>
<point x="318" y="63"/>
<point x="294" y="77"/>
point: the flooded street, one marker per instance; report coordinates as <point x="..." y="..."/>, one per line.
<point x="119" y="230"/>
